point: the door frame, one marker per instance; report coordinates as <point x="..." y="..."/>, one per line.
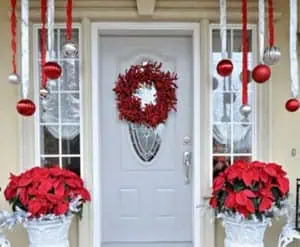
<point x="102" y="28"/>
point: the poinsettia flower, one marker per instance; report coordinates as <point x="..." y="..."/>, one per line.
<point x="218" y="183"/>
<point x="45" y="186"/>
<point x="213" y="202"/>
<point x="265" y="204"/>
<point x="230" y="201"/>
<point x="61" y="208"/>
<point x="267" y="193"/>
<point x="243" y="210"/>
<point x="34" y="206"/>
<point x="284" y="185"/>
<point x="270" y="170"/>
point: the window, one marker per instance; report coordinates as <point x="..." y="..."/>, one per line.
<point x="59" y="115"/>
<point x="232" y="134"/>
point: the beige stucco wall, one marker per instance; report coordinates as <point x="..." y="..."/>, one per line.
<point x="284" y="126"/>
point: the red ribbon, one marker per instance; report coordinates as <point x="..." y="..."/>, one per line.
<point x="13" y="30"/>
<point x="245" y="53"/>
<point x="69" y="8"/>
<point x="271" y="23"/>
<point x="43" y="40"/>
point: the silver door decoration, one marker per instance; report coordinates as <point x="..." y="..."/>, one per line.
<point x="146" y="141"/>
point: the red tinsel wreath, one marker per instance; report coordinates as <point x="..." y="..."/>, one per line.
<point x="129" y="105"/>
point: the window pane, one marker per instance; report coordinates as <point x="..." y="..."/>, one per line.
<point x="70" y="75"/>
<point x="222" y="107"/>
<point x="244" y="158"/>
<point x="49" y="139"/>
<point x="71" y="144"/>
<point x="72" y="164"/>
<point x="70" y="108"/>
<point x="242" y="138"/>
<point x="221" y="138"/>
<point x="49" y="162"/>
<point x="220" y="163"/>
<point x="49" y="108"/>
<point x="75" y="38"/>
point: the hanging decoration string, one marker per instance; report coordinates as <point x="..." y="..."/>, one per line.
<point x="223" y="31"/>
<point x="69" y="9"/>
<point x="43" y="40"/>
<point x="25" y="47"/>
<point x="13" y="30"/>
<point x="261" y="22"/>
<point x="271" y="23"/>
<point x="50" y="26"/>
<point x="245" y="53"/>
<point x="293" y="48"/>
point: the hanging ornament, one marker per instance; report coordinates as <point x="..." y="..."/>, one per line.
<point x="26" y="107"/>
<point x="44" y="92"/>
<point x="225" y="66"/>
<point x="51" y="69"/>
<point x="245" y="108"/>
<point x="70" y="47"/>
<point x="292" y="104"/>
<point x="43" y="41"/>
<point x="261" y="73"/>
<point x="13" y="78"/>
<point x="272" y="53"/>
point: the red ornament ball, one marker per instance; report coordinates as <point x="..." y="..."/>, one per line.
<point x="292" y="105"/>
<point x="261" y="73"/>
<point x="225" y="67"/>
<point x="52" y="70"/>
<point x="26" y="107"/>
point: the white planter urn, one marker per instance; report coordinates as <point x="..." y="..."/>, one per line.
<point x="3" y="240"/>
<point x="244" y="233"/>
<point x="50" y="233"/>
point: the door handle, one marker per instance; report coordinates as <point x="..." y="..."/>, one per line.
<point x="187" y="163"/>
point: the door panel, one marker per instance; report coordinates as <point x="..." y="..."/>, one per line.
<point x="145" y="202"/>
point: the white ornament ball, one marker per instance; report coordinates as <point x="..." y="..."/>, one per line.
<point x="44" y="92"/>
<point x="245" y="110"/>
<point x="14" y="78"/>
<point x="70" y="49"/>
<point x="271" y="55"/>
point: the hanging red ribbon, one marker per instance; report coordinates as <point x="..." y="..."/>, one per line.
<point x="69" y="9"/>
<point x="43" y="40"/>
<point x="245" y="52"/>
<point x="13" y="30"/>
<point x="271" y="22"/>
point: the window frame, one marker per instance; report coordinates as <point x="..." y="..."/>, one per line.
<point x="31" y="127"/>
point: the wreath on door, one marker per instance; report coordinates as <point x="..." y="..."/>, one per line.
<point x="141" y="77"/>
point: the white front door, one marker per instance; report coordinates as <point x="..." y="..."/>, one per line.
<point x="145" y="200"/>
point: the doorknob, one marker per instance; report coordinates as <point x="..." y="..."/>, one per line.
<point x="187" y="163"/>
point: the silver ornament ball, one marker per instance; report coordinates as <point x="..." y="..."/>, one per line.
<point x="14" y="78"/>
<point x="44" y="92"/>
<point x="70" y="49"/>
<point x="245" y="110"/>
<point x="271" y="55"/>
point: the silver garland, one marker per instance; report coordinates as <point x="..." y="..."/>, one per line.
<point x="25" y="47"/>
<point x="19" y="216"/>
<point x="293" y="48"/>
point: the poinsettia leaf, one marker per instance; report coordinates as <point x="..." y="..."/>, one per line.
<point x="276" y="193"/>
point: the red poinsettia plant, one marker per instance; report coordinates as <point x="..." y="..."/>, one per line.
<point x="46" y="191"/>
<point x="250" y="189"/>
